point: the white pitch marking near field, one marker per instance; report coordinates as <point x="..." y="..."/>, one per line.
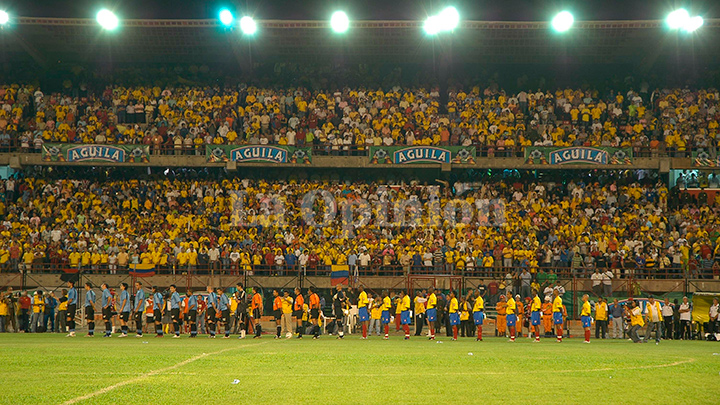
<point x="152" y="373"/>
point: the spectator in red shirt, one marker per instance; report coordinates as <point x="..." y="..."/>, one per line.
<point x="25" y="304"/>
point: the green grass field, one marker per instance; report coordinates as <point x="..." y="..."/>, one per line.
<point x="50" y="368"/>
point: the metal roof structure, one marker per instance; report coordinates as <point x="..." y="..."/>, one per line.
<point x="496" y="42"/>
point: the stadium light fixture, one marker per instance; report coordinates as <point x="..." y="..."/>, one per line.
<point x="339" y="22"/>
<point x="449" y="19"/>
<point x="693" y="24"/>
<point x="563" y="21"/>
<point x="226" y="17"/>
<point x="107" y="19"/>
<point x="677" y="19"/>
<point x="4" y="17"/>
<point x="248" y="25"/>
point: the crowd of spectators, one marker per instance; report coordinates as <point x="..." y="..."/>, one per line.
<point x="346" y="121"/>
<point x="633" y="228"/>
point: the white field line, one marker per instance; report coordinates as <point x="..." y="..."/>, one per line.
<point x="152" y="373"/>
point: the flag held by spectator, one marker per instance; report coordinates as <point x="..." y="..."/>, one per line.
<point x="142" y="270"/>
<point x="339" y="274"/>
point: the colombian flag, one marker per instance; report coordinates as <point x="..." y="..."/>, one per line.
<point x="339" y="274"/>
<point x="142" y="270"/>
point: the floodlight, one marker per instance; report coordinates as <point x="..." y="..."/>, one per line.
<point x="678" y="19"/>
<point x="4" y="17"/>
<point x="693" y="24"/>
<point x="107" y="19"/>
<point x="563" y="21"/>
<point x="226" y="17"/>
<point x="449" y="19"/>
<point x="432" y="25"/>
<point x="339" y="22"/>
<point x="248" y="25"/>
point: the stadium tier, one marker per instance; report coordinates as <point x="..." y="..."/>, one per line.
<point x="184" y="120"/>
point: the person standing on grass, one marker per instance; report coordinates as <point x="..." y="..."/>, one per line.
<point x="713" y="316"/>
<point x="636" y="321"/>
<point x="192" y="312"/>
<point x="431" y="312"/>
<point x="535" y="315"/>
<point x="106" y="309"/>
<point x="38" y="306"/>
<point x="601" y="319"/>
<point x="685" y="311"/>
<point x="139" y="308"/>
<point x="385" y="314"/>
<point x="654" y="319"/>
<point x="158" y="306"/>
<point x="175" y="310"/>
<point x="212" y="311"/>
<point x="558" y="314"/>
<point x="241" y="310"/>
<point x="617" y="313"/>
<point x="298" y="312"/>
<point x="405" y="318"/>
<point x="511" y="317"/>
<point x="420" y="302"/>
<point x="375" y="314"/>
<point x="124" y="309"/>
<point x="277" y="313"/>
<point x="585" y="318"/>
<point x="338" y="301"/>
<point x="287" y="313"/>
<point x="90" y="309"/>
<point x="224" y="312"/>
<point x="363" y="314"/>
<point x="479" y="314"/>
<point x="256" y="304"/>
<point x="72" y="301"/>
<point x="454" y="314"/>
<point x="668" y="313"/>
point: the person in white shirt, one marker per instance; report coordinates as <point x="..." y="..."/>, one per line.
<point x="667" y="313"/>
<point x="713" y="322"/>
<point x="653" y="313"/>
<point x="685" y="311"/>
<point x="607" y="277"/>
<point x="596" y="282"/>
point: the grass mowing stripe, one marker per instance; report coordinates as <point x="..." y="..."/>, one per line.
<point x="152" y="373"/>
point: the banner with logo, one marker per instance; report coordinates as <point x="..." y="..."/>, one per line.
<point x="703" y="159"/>
<point x="421" y="154"/>
<point x="258" y="153"/>
<point x="64" y="152"/>
<point x="542" y="155"/>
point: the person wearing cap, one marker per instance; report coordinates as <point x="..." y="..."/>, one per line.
<point x="500" y="321"/>
<point x="511" y="317"/>
<point x="478" y="314"/>
<point x="557" y="309"/>
<point x="535" y="308"/>
<point x="585" y="317"/>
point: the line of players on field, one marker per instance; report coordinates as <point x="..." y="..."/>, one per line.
<point x="217" y="314"/>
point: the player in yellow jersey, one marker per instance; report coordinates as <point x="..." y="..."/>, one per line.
<point x="405" y="317"/>
<point x="511" y="317"/>
<point x="478" y="314"/>
<point x="363" y="311"/>
<point x="535" y="308"/>
<point x="454" y="314"/>
<point x="557" y="309"/>
<point x="385" y="314"/>
<point x="431" y="312"/>
<point x="585" y="317"/>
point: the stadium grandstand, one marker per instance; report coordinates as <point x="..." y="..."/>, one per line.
<point x="479" y="173"/>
